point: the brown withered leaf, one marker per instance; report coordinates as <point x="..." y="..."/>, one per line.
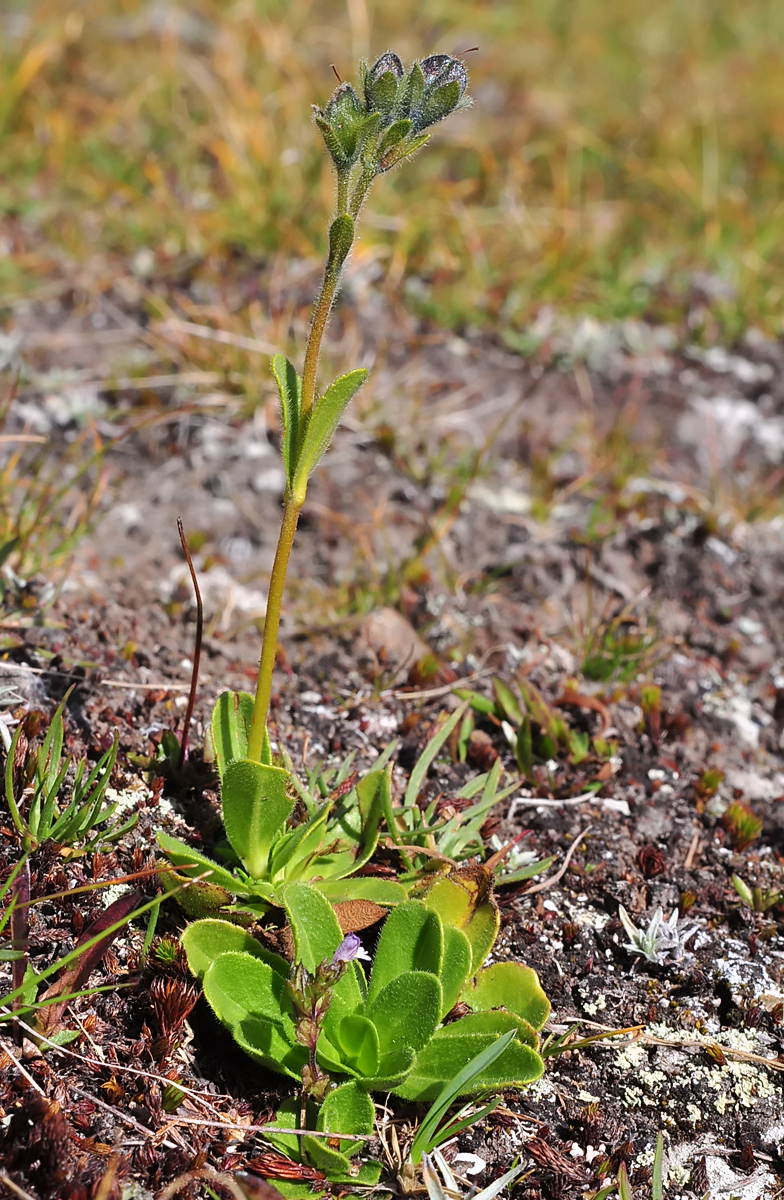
<point x="72" y="978"/>
<point x="357" y="914"/>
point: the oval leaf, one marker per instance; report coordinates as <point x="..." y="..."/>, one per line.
<point x="512" y="986"/>
<point x="322" y="424"/>
<point x="255" y="808"/>
<point x="205" y="941"/>
<point x="411" y="940"/>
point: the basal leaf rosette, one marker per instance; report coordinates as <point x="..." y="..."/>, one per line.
<point x="391" y="1032"/>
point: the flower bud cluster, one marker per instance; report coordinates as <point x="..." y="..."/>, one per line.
<point x="387" y="123"/>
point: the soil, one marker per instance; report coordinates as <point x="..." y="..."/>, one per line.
<point x="607" y="509"/>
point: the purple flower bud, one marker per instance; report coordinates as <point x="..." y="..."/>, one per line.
<point x="387" y="62"/>
<point x="443" y="68"/>
<point x="349" y="949"/>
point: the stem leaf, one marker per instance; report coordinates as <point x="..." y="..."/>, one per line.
<point x="290" y="391"/>
<point x="323" y="422"/>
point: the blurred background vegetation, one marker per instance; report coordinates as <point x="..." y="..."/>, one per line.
<point x="620" y="154"/>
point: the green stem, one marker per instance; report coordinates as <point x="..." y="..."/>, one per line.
<point x="291" y="510"/>
<point x="294" y="500"/>
<point x="344" y="178"/>
<point x="361" y="190"/>
<point x="321" y="311"/>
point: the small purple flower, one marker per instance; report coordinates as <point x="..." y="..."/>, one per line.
<point x="349" y="949"/>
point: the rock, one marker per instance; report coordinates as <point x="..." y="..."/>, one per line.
<point x="395" y="643"/>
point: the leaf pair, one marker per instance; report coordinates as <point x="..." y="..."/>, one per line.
<point x="386" y="1033"/>
<point x="306" y="438"/>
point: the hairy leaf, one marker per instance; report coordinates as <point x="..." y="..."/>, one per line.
<point x="407" y="1010"/>
<point x="456" y="966"/>
<point x="511" y="986"/>
<point x="205" y="941"/>
<point x="411" y="940"/>
<point x="250" y="998"/>
<point x="324" y="420"/>
<point x="191" y="862"/>
<point x="255" y="808"/>
<point x="445" y="1056"/>
<point x="290" y="391"/>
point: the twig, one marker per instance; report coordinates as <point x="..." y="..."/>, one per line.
<point x="109" y="1176"/>
<point x="36" y="1087"/>
<point x="432" y="693"/>
<point x="196" y="646"/>
<point x="688" y="862"/>
<point x="536" y="802"/>
<point x="8" y="1182"/>
<point x="559" y="874"/>
<point x="132" y="384"/>
<point x="163" y="685"/>
<point x="197" y="1097"/>
<point x="773" y="1064"/>
<point x="175" y="325"/>
<point x="126" y="1118"/>
<point x="262" y="1129"/>
<point x="208" y="1173"/>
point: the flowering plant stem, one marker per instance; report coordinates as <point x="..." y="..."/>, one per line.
<point x="269" y="646"/>
<point x="365" y="137"/>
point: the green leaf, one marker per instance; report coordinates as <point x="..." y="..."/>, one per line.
<point x="359" y="1046"/>
<point x="507" y="701"/>
<point x="341" y="236"/>
<point x="290" y="391"/>
<point x="411" y="940"/>
<point x="440" y="103"/>
<point x="657" y="1180"/>
<point x="524" y="752"/>
<point x="335" y="1165"/>
<point x="323" y="421"/>
<point x="413" y="91"/>
<point x="348" y="1109"/>
<point x="394" y="1067"/>
<point x="191" y="862"/>
<point x="250" y="999"/>
<point x="255" y="808"/>
<point x="407" y="1011"/>
<point x="427" y="756"/>
<point x="298" y="845"/>
<point x="512" y="986"/>
<point x="425" y="1135"/>
<point x="527" y="872"/>
<point x="458" y="904"/>
<point x="386" y="892"/>
<point x="332" y="142"/>
<point x="394" y="134"/>
<point x="314" y="925"/>
<point x="456" y="966"/>
<point x="494" y="1023"/>
<point x="374" y="792"/>
<point x="444" y="1057"/>
<point x="230" y="729"/>
<point x="479" y="703"/>
<point x="205" y="941"/>
<point x="403" y="150"/>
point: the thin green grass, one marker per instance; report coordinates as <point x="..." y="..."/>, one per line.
<point x="615" y="149"/>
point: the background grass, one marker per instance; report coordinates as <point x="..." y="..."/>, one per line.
<point x="622" y="157"/>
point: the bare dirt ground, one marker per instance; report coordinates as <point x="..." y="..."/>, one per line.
<point x="607" y="489"/>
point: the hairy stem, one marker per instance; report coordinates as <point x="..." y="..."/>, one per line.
<point x="321" y="311"/>
<point x="291" y="510"/>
